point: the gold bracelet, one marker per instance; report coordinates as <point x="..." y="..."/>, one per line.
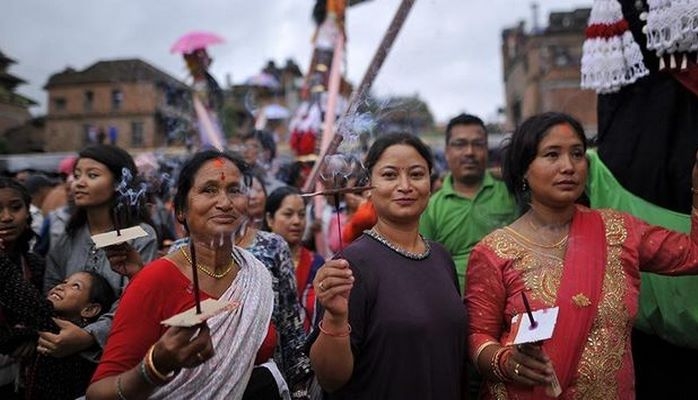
<point x="151" y="366"/>
<point x="494" y="364"/>
<point x="480" y="349"/>
<point x="506" y="355"/>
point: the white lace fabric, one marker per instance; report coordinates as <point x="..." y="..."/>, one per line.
<point x="613" y="59"/>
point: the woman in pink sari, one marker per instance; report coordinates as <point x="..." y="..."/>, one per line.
<point x="586" y="262"/>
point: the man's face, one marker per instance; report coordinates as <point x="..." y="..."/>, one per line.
<point x="466" y="153"/>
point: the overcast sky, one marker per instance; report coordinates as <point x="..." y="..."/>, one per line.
<point x="447" y="51"/>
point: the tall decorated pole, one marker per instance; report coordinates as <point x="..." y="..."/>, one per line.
<point x="360" y="94"/>
<point x="335" y="37"/>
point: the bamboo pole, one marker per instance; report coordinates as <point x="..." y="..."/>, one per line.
<point x="363" y="88"/>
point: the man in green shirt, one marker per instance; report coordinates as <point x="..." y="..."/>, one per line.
<point x="471" y="203"/>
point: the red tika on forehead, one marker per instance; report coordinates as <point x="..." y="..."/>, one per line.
<point x="218" y="163"/>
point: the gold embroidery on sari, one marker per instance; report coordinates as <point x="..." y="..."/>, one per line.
<point x="580" y="300"/>
<point x="541" y="272"/>
<point x="606" y="345"/>
<point x="498" y="391"/>
<point x="602" y="356"/>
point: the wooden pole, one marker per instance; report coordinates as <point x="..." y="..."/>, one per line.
<point x="363" y="88"/>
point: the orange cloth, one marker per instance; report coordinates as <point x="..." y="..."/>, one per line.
<point x="364" y="218"/>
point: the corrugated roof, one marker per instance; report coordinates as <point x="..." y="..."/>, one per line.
<point x="114" y="71"/>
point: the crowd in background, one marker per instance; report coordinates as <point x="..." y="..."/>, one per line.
<point x="357" y="293"/>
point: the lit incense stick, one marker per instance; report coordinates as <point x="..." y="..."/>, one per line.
<point x="534" y="324"/>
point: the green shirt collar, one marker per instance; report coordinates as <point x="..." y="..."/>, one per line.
<point x="447" y="187"/>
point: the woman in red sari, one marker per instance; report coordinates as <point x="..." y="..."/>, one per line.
<point x="285" y="215"/>
<point x="586" y="262"/>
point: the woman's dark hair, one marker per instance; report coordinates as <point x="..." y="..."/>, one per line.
<point x="255" y="174"/>
<point x="101" y="292"/>
<point x="274" y="201"/>
<point x="522" y="148"/>
<point x="191" y="167"/>
<point x="116" y="160"/>
<point x="22" y="244"/>
<point x="383" y="142"/>
<point x="266" y="139"/>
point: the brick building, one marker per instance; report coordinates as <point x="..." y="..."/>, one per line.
<point x="127" y="102"/>
<point x="542" y="70"/>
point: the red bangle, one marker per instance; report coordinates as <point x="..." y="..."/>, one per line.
<point x="328" y="333"/>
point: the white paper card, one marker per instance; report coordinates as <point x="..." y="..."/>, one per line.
<point x="209" y="308"/>
<point x="545" y="325"/>
<point x="113" y="237"/>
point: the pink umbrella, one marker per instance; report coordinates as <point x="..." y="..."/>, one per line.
<point x="195" y="40"/>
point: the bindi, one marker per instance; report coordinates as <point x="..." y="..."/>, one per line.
<point x="218" y="163"/>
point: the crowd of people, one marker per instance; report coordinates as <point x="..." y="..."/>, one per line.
<point x="392" y="289"/>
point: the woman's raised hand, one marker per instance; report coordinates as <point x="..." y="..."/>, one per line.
<point x="124" y="259"/>
<point x="530" y="366"/>
<point x="333" y="283"/>
<point x="181" y="348"/>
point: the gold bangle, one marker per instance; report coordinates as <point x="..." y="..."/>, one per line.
<point x="482" y="348"/>
<point x="151" y="366"/>
<point x="494" y="364"/>
<point x="506" y="355"/>
<point x="333" y="334"/>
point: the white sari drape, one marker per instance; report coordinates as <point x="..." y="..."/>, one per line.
<point x="236" y="337"/>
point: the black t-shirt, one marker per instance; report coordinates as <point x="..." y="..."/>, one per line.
<point x="408" y="325"/>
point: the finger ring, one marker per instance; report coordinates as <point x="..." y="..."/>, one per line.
<point x="200" y="357"/>
<point x="322" y="286"/>
<point x="516" y="369"/>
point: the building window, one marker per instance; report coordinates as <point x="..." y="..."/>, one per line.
<point x="137" y="134"/>
<point x="59" y="103"/>
<point x="561" y="56"/>
<point x="89" y="99"/>
<point x="117" y="99"/>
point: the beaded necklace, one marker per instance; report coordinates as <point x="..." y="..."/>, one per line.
<point x="409" y="254"/>
<point x="206" y="270"/>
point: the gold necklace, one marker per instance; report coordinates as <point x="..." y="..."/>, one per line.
<point x="207" y="271"/>
<point x="558" y="245"/>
